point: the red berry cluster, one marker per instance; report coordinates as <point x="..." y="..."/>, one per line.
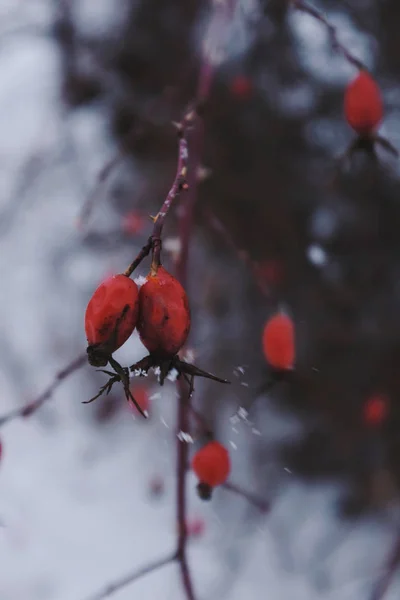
<point x="160" y="312"/>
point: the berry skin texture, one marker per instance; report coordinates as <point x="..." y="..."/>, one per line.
<point x="212" y="466"/>
<point x="278" y="342"/>
<point x="110" y="318"/>
<point x="363" y="106"/>
<point x="164" y="315"/>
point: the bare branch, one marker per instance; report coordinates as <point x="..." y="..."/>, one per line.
<point x="393" y="562"/>
<point x="31" y="407"/>
<point x="313" y="12"/>
<point x="131" y="577"/>
<point x="216" y="224"/>
<point x="258" y="502"/>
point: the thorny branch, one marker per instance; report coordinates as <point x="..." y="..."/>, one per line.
<point x="179" y="184"/>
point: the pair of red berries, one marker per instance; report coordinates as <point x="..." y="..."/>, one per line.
<point x="212" y="466"/>
<point x="159" y="310"/>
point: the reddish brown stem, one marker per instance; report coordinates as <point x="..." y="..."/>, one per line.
<point x="31" y="407"/>
<point x="178" y="185"/>
<point x="182" y="459"/>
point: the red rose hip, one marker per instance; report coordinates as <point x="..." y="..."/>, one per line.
<point x="363" y="105"/>
<point x="278" y="342"/>
<point x="110" y="318"/>
<point x="164" y="315"/>
<point x="212" y="466"/>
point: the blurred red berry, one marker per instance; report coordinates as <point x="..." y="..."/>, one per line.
<point x="141" y="395"/>
<point x="212" y="466"/>
<point x="376" y="410"/>
<point x="111" y="317"/>
<point x="133" y="223"/>
<point x="270" y="271"/>
<point x="195" y="527"/>
<point x="241" y="87"/>
<point x="278" y="342"/>
<point x="164" y="315"/>
<point x="363" y="105"/>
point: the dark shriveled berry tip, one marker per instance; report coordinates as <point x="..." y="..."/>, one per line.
<point x="204" y="490"/>
<point x="97" y="357"/>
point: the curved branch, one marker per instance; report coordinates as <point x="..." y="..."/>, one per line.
<point x="31" y="407"/>
<point x="111" y="588"/>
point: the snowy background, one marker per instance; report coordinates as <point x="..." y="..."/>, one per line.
<point x="76" y="506"/>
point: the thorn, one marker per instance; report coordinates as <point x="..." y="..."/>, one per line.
<point x="154" y="219"/>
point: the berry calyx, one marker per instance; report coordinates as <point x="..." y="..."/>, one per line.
<point x="110" y="318"/>
<point x="141" y="395"/>
<point x="164" y="315"/>
<point x="278" y="342"/>
<point x="212" y="466"/>
<point x="363" y="106"/>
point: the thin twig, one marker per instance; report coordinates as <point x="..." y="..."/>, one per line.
<point x="31" y="407"/>
<point x="131" y="577"/>
<point x="216" y="224"/>
<point x="104" y="174"/>
<point x="393" y="562"/>
<point x="313" y="12"/>
<point x="258" y="502"/>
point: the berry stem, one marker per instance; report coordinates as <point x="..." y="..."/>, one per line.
<point x="145" y="251"/>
